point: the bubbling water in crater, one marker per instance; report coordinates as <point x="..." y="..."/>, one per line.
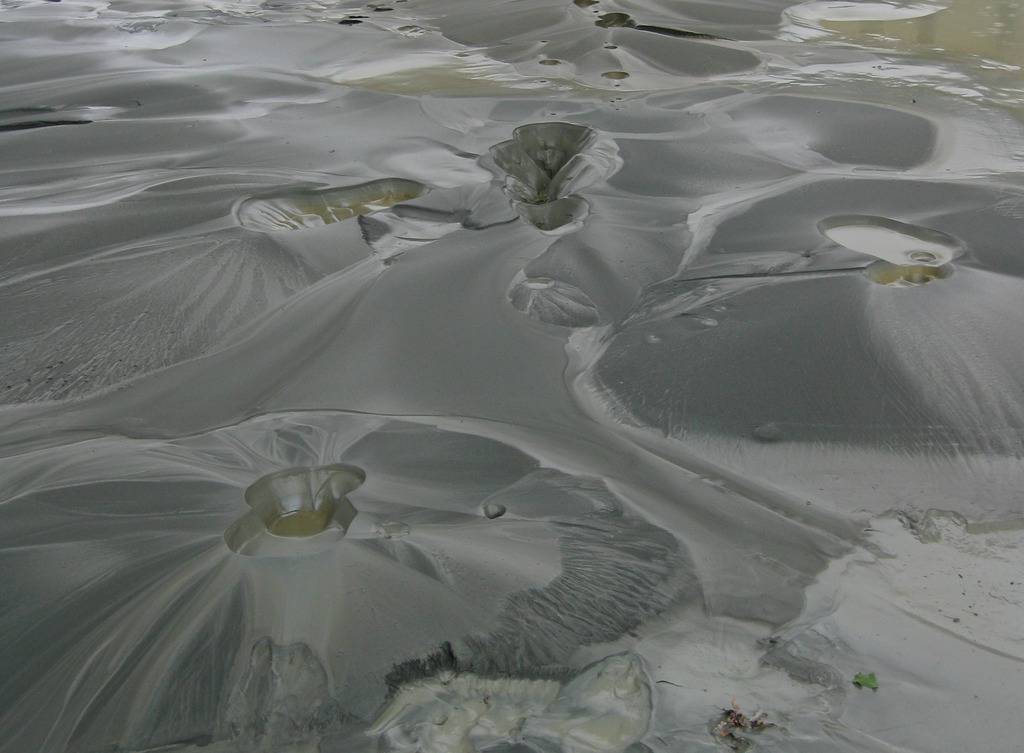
<point x="908" y="255"/>
<point x="297" y="503"/>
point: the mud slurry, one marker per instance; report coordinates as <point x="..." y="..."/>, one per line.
<point x="607" y="707"/>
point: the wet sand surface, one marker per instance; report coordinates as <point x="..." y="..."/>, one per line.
<point x="512" y="376"/>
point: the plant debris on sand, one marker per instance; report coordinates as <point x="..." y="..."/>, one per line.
<point x="867" y="680"/>
<point x="732" y="721"/>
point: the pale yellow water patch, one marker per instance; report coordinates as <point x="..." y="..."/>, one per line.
<point x="989" y="29"/>
<point x="299" y="523"/>
<point x="906" y="275"/>
<point x="305" y="208"/>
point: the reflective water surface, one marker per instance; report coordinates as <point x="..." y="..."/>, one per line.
<point x="509" y="376"/>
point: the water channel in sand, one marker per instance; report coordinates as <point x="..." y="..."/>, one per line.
<point x="508" y="376"/>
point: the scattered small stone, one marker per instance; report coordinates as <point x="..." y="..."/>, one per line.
<point x="768" y="433"/>
<point x="494" y="510"/>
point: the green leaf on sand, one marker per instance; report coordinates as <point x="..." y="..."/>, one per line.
<point x="866" y="680"/>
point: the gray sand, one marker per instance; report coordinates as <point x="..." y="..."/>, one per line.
<point x="672" y="352"/>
